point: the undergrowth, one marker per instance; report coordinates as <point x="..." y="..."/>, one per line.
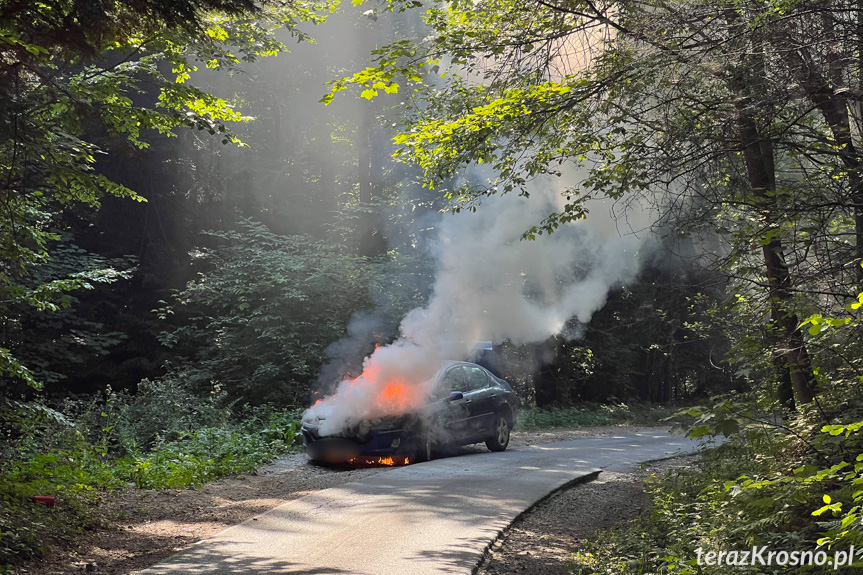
<point x="593" y="414"/>
<point x="787" y="481"/>
<point x="61" y="459"/>
<point x="786" y="487"/>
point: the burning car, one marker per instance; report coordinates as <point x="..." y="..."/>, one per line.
<point x="464" y="403"/>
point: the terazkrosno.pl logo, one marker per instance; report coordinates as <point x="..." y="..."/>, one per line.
<point x="763" y="556"/>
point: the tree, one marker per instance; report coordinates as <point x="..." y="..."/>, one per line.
<point x="74" y="73"/>
<point x="740" y="117"/>
<point x="654" y="340"/>
<point x="252" y="322"/>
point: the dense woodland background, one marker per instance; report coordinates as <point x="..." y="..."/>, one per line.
<point x="186" y="229"/>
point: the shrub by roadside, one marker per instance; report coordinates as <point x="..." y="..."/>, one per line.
<point x="593" y="414"/>
<point x="781" y="487"/>
<point x="76" y="471"/>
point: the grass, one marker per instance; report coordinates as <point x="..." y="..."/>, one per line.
<point x="76" y="471"/>
<point x="593" y="414"/>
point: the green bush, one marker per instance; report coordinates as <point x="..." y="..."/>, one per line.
<point x="75" y="464"/>
<point x="161" y="410"/>
<point x="253" y="322"/>
<point x="201" y="456"/>
<point x="75" y="473"/>
<point x="764" y="486"/>
<point x="592" y="414"/>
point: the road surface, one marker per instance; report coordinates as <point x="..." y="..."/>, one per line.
<point x="435" y="517"/>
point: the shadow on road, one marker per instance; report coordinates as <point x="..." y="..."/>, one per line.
<point x="205" y="560"/>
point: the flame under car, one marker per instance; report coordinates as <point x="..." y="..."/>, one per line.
<point x="466" y="404"/>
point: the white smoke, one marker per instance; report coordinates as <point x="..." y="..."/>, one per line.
<point x="491" y="285"/>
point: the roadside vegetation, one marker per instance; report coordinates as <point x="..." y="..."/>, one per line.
<point x="106" y="448"/>
<point x="779" y="482"/>
<point x="759" y="490"/>
<point x="594" y="414"/>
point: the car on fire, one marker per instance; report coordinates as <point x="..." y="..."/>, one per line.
<point x="466" y="404"/>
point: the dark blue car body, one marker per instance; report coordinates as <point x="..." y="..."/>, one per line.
<point x="467" y="404"/>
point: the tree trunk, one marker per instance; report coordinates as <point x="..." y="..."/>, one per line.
<point x="785" y="391"/>
<point x="546" y="381"/>
<point x="545" y="386"/>
<point x="858" y="207"/>
<point x="790" y="352"/>
<point x="791" y="348"/>
<point x="364" y="156"/>
<point x="822" y="89"/>
<point x="648" y="375"/>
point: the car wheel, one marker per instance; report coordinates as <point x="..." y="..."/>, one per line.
<point x="500" y="439"/>
<point x="425" y="450"/>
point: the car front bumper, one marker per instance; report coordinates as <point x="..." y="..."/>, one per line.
<point x="339" y="449"/>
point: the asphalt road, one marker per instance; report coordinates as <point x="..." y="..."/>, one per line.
<point x="434" y="517"/>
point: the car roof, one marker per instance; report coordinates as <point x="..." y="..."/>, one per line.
<point x="449" y="363"/>
<point x="452" y="363"/>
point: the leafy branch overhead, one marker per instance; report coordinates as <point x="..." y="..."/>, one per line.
<point x="717" y="115"/>
<point x="636" y="99"/>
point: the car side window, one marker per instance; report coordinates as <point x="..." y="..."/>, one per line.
<point x="476" y="378"/>
<point x="453" y="380"/>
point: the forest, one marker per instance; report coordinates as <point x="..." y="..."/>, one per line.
<point x="211" y="211"/>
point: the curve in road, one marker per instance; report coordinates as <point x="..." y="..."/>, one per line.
<point x="435" y="517"/>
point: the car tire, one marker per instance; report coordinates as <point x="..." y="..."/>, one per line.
<point x="425" y="446"/>
<point x="500" y="438"/>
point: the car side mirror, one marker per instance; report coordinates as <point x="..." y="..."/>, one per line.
<point x="456" y="395"/>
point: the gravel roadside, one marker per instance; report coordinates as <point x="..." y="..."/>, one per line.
<point x="542" y="540"/>
<point x="141" y="527"/>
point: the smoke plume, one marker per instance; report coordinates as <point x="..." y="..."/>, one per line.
<point x="490" y="285"/>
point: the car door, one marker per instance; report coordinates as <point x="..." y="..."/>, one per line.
<point x="480" y="400"/>
<point x="453" y="414"/>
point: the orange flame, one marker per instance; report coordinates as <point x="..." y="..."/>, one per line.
<point x="379" y="391"/>
<point x="385" y="461"/>
<point x="393" y="391"/>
